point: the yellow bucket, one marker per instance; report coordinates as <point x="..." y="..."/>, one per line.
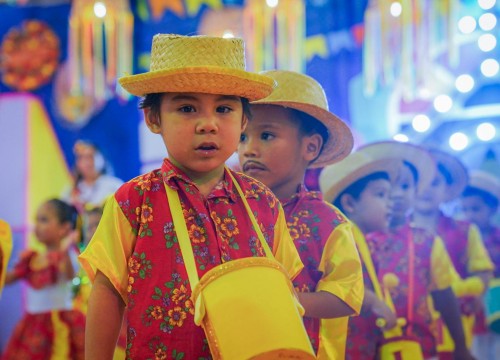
<point x="400" y="349"/>
<point x="248" y="310"/>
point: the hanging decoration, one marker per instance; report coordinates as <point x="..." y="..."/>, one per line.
<point x="100" y="48"/>
<point x="275" y="35"/>
<point x="29" y="56"/>
<point x="402" y="48"/>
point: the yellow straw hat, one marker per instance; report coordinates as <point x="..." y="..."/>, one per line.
<point x="416" y="155"/>
<point x="334" y="179"/>
<point x="200" y="64"/>
<point x="486" y="182"/>
<point x="457" y="171"/>
<point x="301" y="92"/>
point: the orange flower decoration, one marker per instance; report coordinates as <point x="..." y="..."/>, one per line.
<point x="160" y="354"/>
<point x="133" y="265"/>
<point x="177" y="316"/>
<point x="179" y="295"/>
<point x="130" y="283"/>
<point x="197" y="234"/>
<point x="157" y="313"/>
<point x="230" y="227"/>
<point x="146" y="213"/>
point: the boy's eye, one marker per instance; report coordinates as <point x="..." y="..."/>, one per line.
<point x="187" y="109"/>
<point x="243" y="137"/>
<point x="266" y="136"/>
<point x="224" y="109"/>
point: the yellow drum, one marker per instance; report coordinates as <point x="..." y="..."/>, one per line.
<point x="492" y="305"/>
<point x="400" y="349"/>
<point x="248" y="310"/>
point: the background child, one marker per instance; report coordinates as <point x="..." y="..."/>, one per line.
<point x="416" y="257"/>
<point x="50" y="329"/>
<point x="360" y="186"/>
<point x="290" y="131"/>
<point x="195" y="99"/>
<point x="461" y="238"/>
<point x="479" y="205"/>
<point x="5" y="250"/>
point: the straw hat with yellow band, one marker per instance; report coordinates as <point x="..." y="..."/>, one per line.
<point x="415" y="155"/>
<point x="303" y="93"/>
<point x="457" y="175"/>
<point x="486" y="182"/>
<point x="198" y="64"/>
<point x="334" y="179"/>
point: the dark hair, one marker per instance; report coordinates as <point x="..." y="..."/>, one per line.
<point x="357" y="187"/>
<point x="65" y="212"/>
<point x="444" y="171"/>
<point x="153" y="101"/>
<point x="488" y="199"/>
<point x="413" y="170"/>
<point x="309" y="125"/>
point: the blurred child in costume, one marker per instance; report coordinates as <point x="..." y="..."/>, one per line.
<point x="480" y="201"/>
<point x="197" y="101"/>
<point x="5" y="250"/>
<point x="50" y="329"/>
<point x="92" y="183"/>
<point x="414" y="257"/>
<point x="290" y="131"/>
<point x="461" y="238"/>
<point x="360" y="186"/>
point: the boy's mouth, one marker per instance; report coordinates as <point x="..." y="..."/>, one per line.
<point x="250" y="166"/>
<point x="207" y="147"/>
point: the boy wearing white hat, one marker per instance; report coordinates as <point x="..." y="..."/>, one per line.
<point x="415" y="257"/>
<point x="196" y="96"/>
<point x="360" y="187"/>
<point x="480" y="201"/>
<point x="292" y="130"/>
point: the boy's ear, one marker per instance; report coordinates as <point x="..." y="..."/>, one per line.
<point x="312" y="146"/>
<point x="152" y="121"/>
<point x="348" y="203"/>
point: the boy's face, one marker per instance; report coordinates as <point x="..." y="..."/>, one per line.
<point x="273" y="151"/>
<point x="432" y="197"/>
<point x="371" y="211"/>
<point x="477" y="211"/>
<point x="403" y="192"/>
<point x="200" y="131"/>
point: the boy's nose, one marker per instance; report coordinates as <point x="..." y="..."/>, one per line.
<point x="207" y="124"/>
<point x="249" y="148"/>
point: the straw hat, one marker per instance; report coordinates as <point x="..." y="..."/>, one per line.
<point x="486" y="182"/>
<point x="201" y="64"/>
<point x="303" y="93"/>
<point x="416" y="155"/>
<point x="457" y="171"/>
<point x="334" y="179"/>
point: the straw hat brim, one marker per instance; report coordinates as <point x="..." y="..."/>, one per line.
<point x="485" y="182"/>
<point x="336" y="178"/>
<point x="417" y="156"/>
<point x="456" y="169"/>
<point x="200" y="79"/>
<point x="340" y="140"/>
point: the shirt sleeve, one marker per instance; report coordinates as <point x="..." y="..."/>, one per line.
<point x="341" y="267"/>
<point x="479" y="260"/>
<point x="110" y="248"/>
<point x="5" y="250"/>
<point x="284" y="249"/>
<point x="443" y="271"/>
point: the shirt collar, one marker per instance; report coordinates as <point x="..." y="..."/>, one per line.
<point x="173" y="177"/>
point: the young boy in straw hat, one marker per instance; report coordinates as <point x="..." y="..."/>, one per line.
<point x="461" y="238"/>
<point x="196" y="99"/>
<point x="480" y="201"/>
<point x="415" y="256"/>
<point x="292" y="130"/>
<point x="360" y="187"/>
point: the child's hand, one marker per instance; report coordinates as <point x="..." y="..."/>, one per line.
<point x="380" y="309"/>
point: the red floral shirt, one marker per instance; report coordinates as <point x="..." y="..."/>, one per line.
<point x="324" y="239"/>
<point x="143" y="260"/>
<point x="432" y="271"/>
